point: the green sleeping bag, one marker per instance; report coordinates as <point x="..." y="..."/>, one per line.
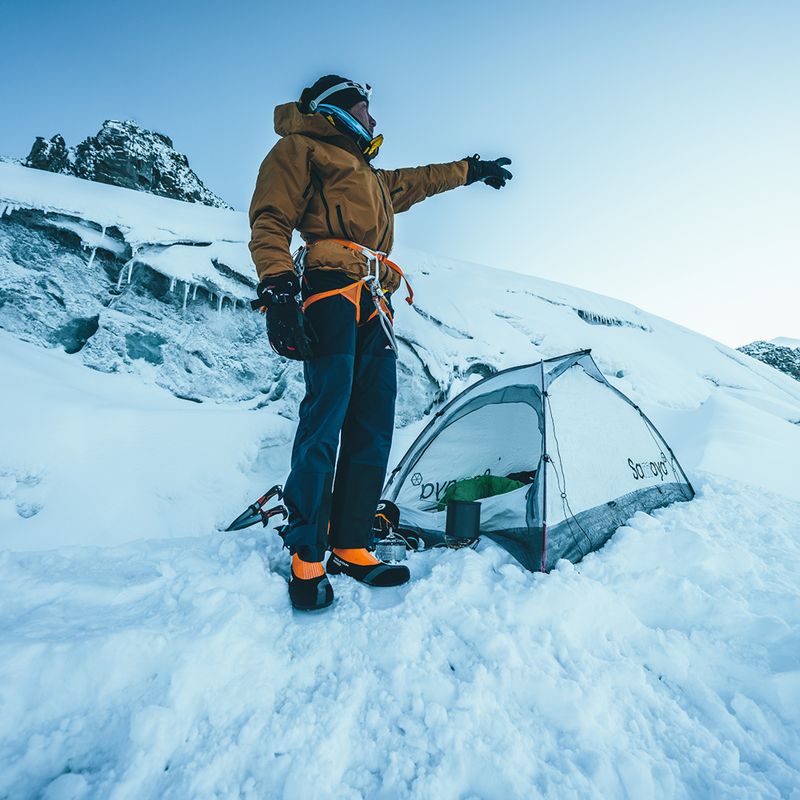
<point x="478" y="488"/>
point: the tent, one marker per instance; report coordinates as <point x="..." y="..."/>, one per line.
<point x="581" y="457"/>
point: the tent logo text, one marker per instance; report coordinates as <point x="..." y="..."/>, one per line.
<point x="438" y="489"/>
<point x="648" y="469"/>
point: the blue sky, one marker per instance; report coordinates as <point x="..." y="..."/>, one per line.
<point x="655" y="144"/>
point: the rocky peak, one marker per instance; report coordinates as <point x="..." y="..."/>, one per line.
<point x="786" y="359"/>
<point x="124" y="154"/>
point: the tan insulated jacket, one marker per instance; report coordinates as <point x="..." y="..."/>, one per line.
<point x="316" y="181"/>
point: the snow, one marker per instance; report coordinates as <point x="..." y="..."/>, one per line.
<point x="147" y="218"/>
<point x="145" y="653"/>
<point x="144" y="219"/>
<point x="189" y="676"/>
<point x="783" y="341"/>
<point x="79" y="437"/>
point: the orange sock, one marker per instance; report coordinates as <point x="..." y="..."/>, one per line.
<point x="305" y="570"/>
<point x="354" y="555"/>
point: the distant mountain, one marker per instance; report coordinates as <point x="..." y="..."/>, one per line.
<point x="782" y="357"/>
<point x="124" y="154"/>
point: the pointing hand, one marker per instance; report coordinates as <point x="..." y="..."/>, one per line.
<point x="490" y="172"/>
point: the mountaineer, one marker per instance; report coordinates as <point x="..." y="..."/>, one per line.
<point x="337" y="317"/>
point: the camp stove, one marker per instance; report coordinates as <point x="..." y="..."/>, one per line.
<point x="392" y="548"/>
<point x="389" y="544"/>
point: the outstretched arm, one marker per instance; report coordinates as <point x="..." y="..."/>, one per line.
<point x="413" y="184"/>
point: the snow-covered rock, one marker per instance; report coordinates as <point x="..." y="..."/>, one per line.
<point x="784" y="357"/>
<point x="124" y="154"/>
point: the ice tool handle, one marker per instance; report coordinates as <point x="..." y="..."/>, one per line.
<point x="255" y="513"/>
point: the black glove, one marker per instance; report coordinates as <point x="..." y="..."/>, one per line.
<point x="490" y="172"/>
<point x="288" y="330"/>
<point x="276" y="289"/>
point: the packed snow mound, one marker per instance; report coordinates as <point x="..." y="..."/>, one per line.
<point x="663" y="666"/>
<point x="124" y="154"/>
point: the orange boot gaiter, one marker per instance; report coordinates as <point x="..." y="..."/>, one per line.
<point x="306" y="570"/>
<point x="353" y="555"/>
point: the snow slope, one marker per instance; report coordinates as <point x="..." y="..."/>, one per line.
<point x="144" y="653"/>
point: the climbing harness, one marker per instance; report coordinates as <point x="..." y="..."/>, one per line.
<point x="352" y="291"/>
<point x="377" y="256"/>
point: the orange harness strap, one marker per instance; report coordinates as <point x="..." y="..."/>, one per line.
<point x="382" y="257"/>
<point x="351" y="292"/>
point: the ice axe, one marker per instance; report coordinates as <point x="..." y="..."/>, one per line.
<point x="256" y="512"/>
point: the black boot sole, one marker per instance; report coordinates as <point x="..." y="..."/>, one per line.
<point x="370" y="574"/>
<point x="315" y="594"/>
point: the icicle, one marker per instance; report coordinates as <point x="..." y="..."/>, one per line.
<point x="219" y="307"/>
<point x="119" y="280"/>
<point x="134" y="251"/>
<point x="234" y="304"/>
<point x="185" y="294"/>
<point x="91" y="258"/>
<point x="194" y="293"/>
<point x="172" y="285"/>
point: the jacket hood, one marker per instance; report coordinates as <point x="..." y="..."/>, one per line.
<point x="289" y="119"/>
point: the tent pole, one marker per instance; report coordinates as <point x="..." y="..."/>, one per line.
<point x="545" y="459"/>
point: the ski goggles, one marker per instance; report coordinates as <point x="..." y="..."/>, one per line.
<point x="346" y="118"/>
<point x="364" y="90"/>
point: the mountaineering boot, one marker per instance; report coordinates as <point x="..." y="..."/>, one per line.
<point x="360" y="564"/>
<point x="309" y="587"/>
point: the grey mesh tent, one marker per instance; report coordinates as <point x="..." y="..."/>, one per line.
<point x="582" y="456"/>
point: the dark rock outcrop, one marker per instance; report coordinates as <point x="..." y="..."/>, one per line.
<point x="786" y="359"/>
<point x="123" y="154"/>
<point x="50" y="155"/>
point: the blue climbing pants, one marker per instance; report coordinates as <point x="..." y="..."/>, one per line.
<point x="341" y="447"/>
